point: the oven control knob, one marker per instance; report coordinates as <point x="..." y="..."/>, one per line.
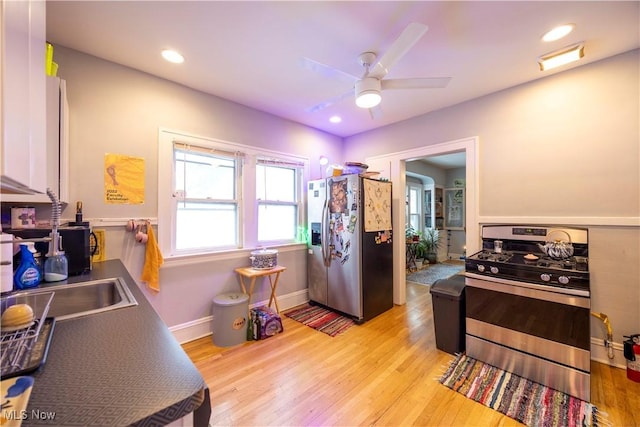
<point x="494" y="270"/>
<point x="563" y="279"/>
<point x="545" y="277"/>
<point x="481" y="268"/>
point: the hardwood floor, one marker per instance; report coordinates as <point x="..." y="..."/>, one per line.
<point x="383" y="373"/>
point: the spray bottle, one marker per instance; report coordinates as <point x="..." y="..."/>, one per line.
<point x="27" y="274"/>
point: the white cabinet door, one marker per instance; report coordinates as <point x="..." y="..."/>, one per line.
<point x="23" y="162"/>
<point x="57" y="149"/>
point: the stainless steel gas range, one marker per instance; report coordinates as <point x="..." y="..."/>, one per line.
<point x="528" y="304"/>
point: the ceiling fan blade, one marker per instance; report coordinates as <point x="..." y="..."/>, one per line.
<point x="325" y="70"/>
<point x="375" y="112"/>
<point x="329" y="102"/>
<point x="407" y="39"/>
<point x="418" y="83"/>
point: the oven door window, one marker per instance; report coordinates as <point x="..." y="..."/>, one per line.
<point x="549" y="320"/>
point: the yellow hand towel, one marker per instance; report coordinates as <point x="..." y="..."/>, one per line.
<point x="152" y="261"/>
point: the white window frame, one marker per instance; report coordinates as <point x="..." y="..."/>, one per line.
<point x="418" y="190"/>
<point x="178" y="196"/>
<point x="299" y="184"/>
<point x="247" y="214"/>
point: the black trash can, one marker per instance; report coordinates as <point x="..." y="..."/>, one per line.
<point x="447" y="296"/>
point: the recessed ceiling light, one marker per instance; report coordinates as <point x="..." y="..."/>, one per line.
<point x="335" y="119"/>
<point x="558" y="32"/>
<point x="172" y="56"/>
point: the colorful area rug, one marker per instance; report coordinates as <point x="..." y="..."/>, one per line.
<point x="429" y="275"/>
<point x="526" y="401"/>
<point x="321" y="319"/>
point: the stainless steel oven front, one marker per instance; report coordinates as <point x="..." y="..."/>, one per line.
<point x="536" y="331"/>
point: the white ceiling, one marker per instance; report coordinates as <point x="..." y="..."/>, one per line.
<point x="446" y="161"/>
<point x="250" y="52"/>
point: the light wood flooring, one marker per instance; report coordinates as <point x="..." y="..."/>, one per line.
<point x="383" y="372"/>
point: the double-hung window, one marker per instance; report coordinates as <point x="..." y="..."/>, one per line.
<point x="216" y="196"/>
<point x="207" y="193"/>
<point x="414" y="206"/>
<point x="278" y="199"/>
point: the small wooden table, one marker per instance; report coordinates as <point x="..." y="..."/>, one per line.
<point x="253" y="274"/>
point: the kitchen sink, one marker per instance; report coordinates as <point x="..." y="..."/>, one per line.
<point x="86" y="298"/>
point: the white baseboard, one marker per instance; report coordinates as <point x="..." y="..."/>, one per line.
<point x="202" y="327"/>
<point x="599" y="353"/>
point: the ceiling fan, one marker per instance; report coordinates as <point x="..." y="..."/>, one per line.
<point x="368" y="88"/>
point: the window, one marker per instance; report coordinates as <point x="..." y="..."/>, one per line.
<point x="207" y="198"/>
<point x="217" y="196"/>
<point x="414" y="206"/>
<point x="278" y="196"/>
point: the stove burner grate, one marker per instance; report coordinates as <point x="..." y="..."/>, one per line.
<point x="494" y="256"/>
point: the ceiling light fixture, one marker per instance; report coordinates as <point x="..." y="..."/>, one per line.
<point x="368" y="92"/>
<point x="335" y="119"/>
<point x="172" y="56"/>
<point x="558" y="32"/>
<point x="561" y="57"/>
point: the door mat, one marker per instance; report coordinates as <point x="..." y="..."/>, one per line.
<point x="531" y="403"/>
<point x="432" y="273"/>
<point x="321" y="319"/>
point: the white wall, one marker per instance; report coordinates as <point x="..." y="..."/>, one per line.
<point x="114" y="109"/>
<point x="560" y="150"/>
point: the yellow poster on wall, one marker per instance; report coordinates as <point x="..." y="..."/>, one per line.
<point x="123" y="179"/>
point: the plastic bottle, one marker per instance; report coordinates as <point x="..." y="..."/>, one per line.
<point x="27" y="274"/>
<point x="37" y="258"/>
<point x="56" y="268"/>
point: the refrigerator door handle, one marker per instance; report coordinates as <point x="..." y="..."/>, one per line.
<point x="326" y="255"/>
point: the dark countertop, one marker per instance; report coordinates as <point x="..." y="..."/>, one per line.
<point x="116" y="368"/>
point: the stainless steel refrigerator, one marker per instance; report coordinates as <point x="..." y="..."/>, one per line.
<point x="350" y="257"/>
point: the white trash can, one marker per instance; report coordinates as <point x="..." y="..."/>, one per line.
<point x="230" y="319"/>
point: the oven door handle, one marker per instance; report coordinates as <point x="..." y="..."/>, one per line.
<point x="528" y="290"/>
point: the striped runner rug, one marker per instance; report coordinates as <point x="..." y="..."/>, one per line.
<point x="321" y="319"/>
<point x="531" y="403"/>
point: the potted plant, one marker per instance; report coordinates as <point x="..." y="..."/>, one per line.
<point x="421" y="251"/>
<point x="431" y="240"/>
<point x="410" y="234"/>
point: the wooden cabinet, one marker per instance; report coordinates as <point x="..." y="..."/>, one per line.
<point x="57" y="146"/>
<point x="22" y="106"/>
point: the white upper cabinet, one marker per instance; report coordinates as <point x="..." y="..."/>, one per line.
<point x="57" y="147"/>
<point x="23" y="106"/>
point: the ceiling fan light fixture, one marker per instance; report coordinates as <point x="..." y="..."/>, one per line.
<point x="561" y="57"/>
<point x="368" y="92"/>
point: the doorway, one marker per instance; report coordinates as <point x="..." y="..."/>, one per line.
<point x="443" y="180"/>
<point x="393" y="167"/>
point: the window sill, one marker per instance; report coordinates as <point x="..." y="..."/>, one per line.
<point x="181" y="260"/>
